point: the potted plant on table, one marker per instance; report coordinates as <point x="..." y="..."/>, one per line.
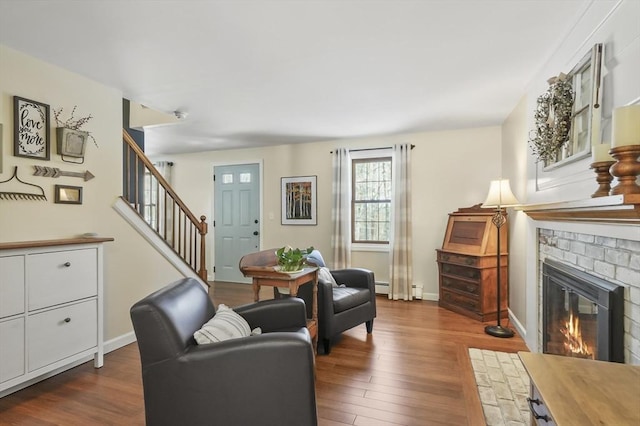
<point x="292" y="260"/>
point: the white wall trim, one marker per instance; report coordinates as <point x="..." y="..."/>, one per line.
<point x="518" y="325"/>
<point x="611" y="230"/>
<point x="576" y="177"/>
<point x="119" y="342"/>
<point x="434" y="297"/>
<point x="382" y="248"/>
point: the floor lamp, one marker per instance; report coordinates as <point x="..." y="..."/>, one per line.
<point x="499" y="196"/>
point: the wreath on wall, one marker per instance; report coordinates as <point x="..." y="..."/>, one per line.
<point x="553" y="119"/>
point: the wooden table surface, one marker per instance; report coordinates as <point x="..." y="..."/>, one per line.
<point x="585" y="392"/>
<point x="271" y="276"/>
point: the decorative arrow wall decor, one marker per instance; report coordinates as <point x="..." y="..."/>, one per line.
<point x="55" y="172"/>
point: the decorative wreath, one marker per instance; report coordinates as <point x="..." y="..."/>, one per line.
<point x="553" y="119"/>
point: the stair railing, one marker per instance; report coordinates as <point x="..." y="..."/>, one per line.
<point x="155" y="201"/>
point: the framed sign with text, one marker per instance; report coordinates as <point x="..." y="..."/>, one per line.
<point x="31" y="129"/>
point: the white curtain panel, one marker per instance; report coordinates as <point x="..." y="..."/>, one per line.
<point x="340" y="211"/>
<point x="401" y="273"/>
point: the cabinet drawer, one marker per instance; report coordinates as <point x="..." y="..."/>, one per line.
<point x="59" y="277"/>
<point x="460" y="271"/>
<point x="11" y="285"/>
<point x="465" y="302"/>
<point x="11" y="349"/>
<point x="56" y="334"/>
<point x="470" y="287"/>
<point x="459" y="259"/>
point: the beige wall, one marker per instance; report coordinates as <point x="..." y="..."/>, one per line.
<point x="451" y="169"/>
<point x="514" y="168"/>
<point x="132" y="269"/>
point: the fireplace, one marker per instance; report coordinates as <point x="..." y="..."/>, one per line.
<point x="582" y="315"/>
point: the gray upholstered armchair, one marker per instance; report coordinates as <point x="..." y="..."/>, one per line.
<point x="266" y="379"/>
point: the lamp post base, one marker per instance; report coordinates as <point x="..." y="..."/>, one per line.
<point x="498" y="331"/>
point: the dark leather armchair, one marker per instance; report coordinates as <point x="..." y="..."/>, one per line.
<point x="340" y="308"/>
<point x="266" y="379"/>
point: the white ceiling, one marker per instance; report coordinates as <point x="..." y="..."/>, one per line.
<point x="261" y="72"/>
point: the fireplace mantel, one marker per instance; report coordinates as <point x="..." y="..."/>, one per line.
<point x="618" y="209"/>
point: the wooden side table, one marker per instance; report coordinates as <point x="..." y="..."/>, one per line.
<point x="269" y="276"/>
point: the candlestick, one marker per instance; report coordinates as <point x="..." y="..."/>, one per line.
<point x="626" y="126"/>
<point x="603" y="178"/>
<point x="626" y="169"/>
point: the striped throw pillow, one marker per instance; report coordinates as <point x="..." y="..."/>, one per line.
<point x="226" y="324"/>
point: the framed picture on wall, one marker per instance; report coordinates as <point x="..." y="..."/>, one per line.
<point x="68" y="194"/>
<point x="31" y="129"/>
<point x="299" y="200"/>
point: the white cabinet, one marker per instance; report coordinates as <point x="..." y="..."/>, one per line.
<point x="59" y="277"/>
<point x="11" y="276"/>
<point x="50" y="308"/>
<point x="12" y="349"/>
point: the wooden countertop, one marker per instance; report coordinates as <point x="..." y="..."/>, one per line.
<point x="585" y="392"/>
<point x="50" y="243"/>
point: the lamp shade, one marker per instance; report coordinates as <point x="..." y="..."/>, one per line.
<point x="500" y="195"/>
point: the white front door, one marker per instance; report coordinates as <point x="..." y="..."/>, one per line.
<point x="236" y="215"/>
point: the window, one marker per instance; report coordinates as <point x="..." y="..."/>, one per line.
<point x="150" y="199"/>
<point x="585" y="79"/>
<point x="371" y="200"/>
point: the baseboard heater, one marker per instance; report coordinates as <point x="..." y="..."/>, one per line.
<point x="383" y="288"/>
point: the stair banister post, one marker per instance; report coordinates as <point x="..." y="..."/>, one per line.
<point x="203" y="232"/>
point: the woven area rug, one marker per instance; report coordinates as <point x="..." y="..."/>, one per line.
<point x="503" y="387"/>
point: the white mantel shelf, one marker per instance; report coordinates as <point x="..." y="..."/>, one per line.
<point x="618" y="209"/>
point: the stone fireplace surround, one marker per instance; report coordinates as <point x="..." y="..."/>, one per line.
<point x="612" y="258"/>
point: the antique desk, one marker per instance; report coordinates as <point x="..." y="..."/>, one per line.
<point x="261" y="268"/>
<point x="467" y="265"/>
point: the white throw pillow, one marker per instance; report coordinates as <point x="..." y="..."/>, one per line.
<point x="226" y="324"/>
<point x="325" y="275"/>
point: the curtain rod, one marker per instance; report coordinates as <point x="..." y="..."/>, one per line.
<point x="371" y="149"/>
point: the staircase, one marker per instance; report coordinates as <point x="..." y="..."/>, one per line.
<point x="150" y="197"/>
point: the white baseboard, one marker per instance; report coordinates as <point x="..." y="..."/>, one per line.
<point x="518" y="326"/>
<point x="434" y="297"/>
<point x="119" y="342"/>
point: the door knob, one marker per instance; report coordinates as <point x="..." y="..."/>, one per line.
<point x="255" y="232"/>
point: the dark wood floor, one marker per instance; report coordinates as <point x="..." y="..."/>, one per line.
<point x="413" y="370"/>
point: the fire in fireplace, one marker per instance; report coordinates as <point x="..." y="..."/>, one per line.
<point x="574" y="344"/>
<point x="582" y="314"/>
